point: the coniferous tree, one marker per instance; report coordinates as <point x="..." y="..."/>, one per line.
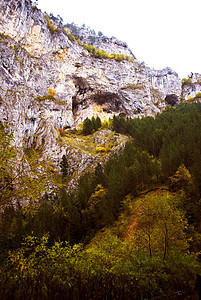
<point x="87" y="126"/>
<point x="99" y="175"/>
<point x="93" y="123"/>
<point x="64" y="166"/>
<point x="98" y="123"/>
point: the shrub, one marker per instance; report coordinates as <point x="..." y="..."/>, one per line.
<point x="71" y="37"/>
<point x="58" y="30"/>
<point x="62" y="132"/>
<point x="89" y="48"/>
<point x="195" y="99"/>
<point x="47" y="97"/>
<point x="101" y="149"/>
<point x="52" y="92"/>
<point x="102" y="54"/>
<point x="79" y="42"/>
<point x="198" y="95"/>
<point x="132" y="87"/>
<point x="5" y="36"/>
<point x="186" y="81"/>
<point x="51" y="26"/>
<point x="107" y="124"/>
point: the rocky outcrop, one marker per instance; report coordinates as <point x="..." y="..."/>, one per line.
<point x="191" y="87"/>
<point x="48" y="80"/>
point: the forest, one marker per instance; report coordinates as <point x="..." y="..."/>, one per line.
<point x="131" y="229"/>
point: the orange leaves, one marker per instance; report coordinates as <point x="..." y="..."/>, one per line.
<point x="52" y="92"/>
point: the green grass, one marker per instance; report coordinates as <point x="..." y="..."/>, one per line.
<point x="92" y="143"/>
<point x="90" y="146"/>
<point x="132" y="87"/>
<point x="50" y="97"/>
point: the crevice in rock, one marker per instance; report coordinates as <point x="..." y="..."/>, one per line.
<point x="102" y="98"/>
<point x="109" y="101"/>
<point x="82" y="88"/>
<point x="172" y="99"/>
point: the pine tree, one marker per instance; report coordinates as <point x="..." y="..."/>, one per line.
<point x="93" y="123"/>
<point x="64" y="166"/>
<point x="87" y="126"/>
<point x="98" y="123"/>
<point x="99" y="175"/>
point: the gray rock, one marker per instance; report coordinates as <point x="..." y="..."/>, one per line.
<point x="35" y="63"/>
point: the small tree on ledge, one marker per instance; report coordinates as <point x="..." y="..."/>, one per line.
<point x="64" y="167"/>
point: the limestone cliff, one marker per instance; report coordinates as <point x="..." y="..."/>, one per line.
<point x="50" y="80"/>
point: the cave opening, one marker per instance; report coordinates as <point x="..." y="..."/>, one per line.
<point x="172" y="99"/>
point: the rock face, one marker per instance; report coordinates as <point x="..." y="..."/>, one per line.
<point x="191" y="87"/>
<point x="48" y="80"/>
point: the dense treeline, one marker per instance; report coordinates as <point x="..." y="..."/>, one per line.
<point x="165" y="152"/>
<point x="89" y="126"/>
<point x="173" y="137"/>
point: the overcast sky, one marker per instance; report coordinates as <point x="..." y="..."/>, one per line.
<point x="160" y="33"/>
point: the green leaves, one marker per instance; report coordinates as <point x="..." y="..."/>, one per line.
<point x="24" y="175"/>
<point x="8" y="161"/>
<point x="160" y="225"/>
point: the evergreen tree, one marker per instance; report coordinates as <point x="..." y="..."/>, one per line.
<point x="64" y="166"/>
<point x="99" y="175"/>
<point x="93" y="123"/>
<point x="98" y="123"/>
<point x="87" y="126"/>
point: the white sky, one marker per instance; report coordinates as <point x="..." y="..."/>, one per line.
<point x="160" y="33"/>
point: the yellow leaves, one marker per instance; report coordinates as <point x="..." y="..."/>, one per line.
<point x="100" y="149"/>
<point x="58" y="209"/>
<point x="51" y="26"/>
<point x="186" y="81"/>
<point x="102" y="54"/>
<point x="181" y="178"/>
<point x="30" y="209"/>
<point x="69" y="34"/>
<point x="160" y="225"/>
<point x="98" y="196"/>
<point x="52" y="92"/>
<point x="127" y="203"/>
<point x="18" y="261"/>
<point x="79" y="42"/>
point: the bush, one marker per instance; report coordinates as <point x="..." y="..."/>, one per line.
<point x="62" y="132"/>
<point x="198" y="95"/>
<point x="71" y="37"/>
<point x="186" y="81"/>
<point x="102" y="54"/>
<point x="101" y="149"/>
<point x="51" y="26"/>
<point x="132" y="87"/>
<point x="46" y="97"/>
<point x="52" y="92"/>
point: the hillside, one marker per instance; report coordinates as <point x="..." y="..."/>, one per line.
<point x="131" y="228"/>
